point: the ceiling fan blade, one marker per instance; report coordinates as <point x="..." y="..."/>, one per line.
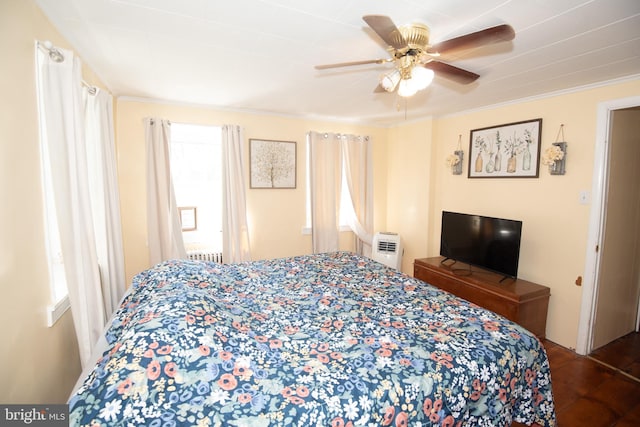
<point x="490" y="35"/>
<point x="452" y="73"/>
<point x="386" y="29"/>
<point x="348" y="64"/>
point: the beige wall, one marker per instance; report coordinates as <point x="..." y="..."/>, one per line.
<point x="409" y="172"/>
<point x="555" y="225"/>
<point x="37" y="364"/>
<point x="276" y="217"/>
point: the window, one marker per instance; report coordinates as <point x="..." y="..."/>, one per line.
<point x="196" y="173"/>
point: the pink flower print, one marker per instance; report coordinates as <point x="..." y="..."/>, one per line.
<point x="125" y="386"/>
<point x="171" y="369"/>
<point x="165" y="349"/>
<point x="389" y="413"/>
<point x="402" y="420"/>
<point x="153" y="370"/>
<point x="227" y="382"/>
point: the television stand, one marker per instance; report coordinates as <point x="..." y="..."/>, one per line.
<point x="523" y="302"/>
<point x="462" y="271"/>
<point x="445" y="259"/>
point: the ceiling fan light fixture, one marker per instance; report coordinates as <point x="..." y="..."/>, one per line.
<point x="407" y="88"/>
<point x="390" y="80"/>
<point x="421" y="77"/>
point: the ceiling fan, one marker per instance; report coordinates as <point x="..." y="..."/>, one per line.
<point x="414" y="57"/>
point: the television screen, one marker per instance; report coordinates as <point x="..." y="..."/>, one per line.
<point x="490" y="243"/>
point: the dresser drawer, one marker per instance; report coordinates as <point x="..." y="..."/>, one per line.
<point x="518" y="300"/>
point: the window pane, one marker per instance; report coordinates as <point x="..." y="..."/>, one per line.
<point x="196" y="172"/>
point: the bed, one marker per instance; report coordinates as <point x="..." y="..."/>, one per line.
<point x="332" y="339"/>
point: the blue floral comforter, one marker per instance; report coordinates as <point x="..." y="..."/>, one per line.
<point x="322" y="340"/>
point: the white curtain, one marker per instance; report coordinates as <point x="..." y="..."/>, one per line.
<point x="337" y="160"/>
<point x="235" y="230"/>
<point x="105" y="197"/>
<point x="325" y="172"/>
<point x="164" y="232"/>
<point x="60" y="105"/>
<point x="358" y="173"/>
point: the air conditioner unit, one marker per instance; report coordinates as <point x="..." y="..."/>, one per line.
<point x="387" y="249"/>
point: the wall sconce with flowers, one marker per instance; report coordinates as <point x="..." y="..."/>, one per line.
<point x="556" y="155"/>
<point x="454" y="161"/>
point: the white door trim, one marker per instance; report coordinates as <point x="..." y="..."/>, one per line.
<point x="596" y="219"/>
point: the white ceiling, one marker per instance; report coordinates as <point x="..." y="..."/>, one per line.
<point x="259" y="55"/>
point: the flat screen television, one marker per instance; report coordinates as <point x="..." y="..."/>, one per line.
<point x="485" y="242"/>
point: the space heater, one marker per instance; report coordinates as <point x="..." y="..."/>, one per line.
<point x="387" y="249"/>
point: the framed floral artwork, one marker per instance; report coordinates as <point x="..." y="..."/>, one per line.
<point x="272" y="164"/>
<point x="511" y="150"/>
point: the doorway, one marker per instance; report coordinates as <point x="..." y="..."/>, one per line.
<point x="617" y="293"/>
<point x="612" y="275"/>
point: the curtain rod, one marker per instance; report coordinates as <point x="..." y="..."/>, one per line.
<point x="54" y="52"/>
<point x="90" y="88"/>
<point x="325" y="135"/>
<point x="56" y="55"/>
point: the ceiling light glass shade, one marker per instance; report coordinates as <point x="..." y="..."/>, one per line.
<point x="406" y="88"/>
<point x="390" y="80"/>
<point x="421" y="77"/>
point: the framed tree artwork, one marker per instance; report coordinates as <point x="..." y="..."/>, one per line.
<point x="511" y="150"/>
<point x="272" y="164"/>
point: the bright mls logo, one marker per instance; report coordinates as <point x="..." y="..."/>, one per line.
<point x="36" y="415"/>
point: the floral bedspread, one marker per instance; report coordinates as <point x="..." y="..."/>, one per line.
<point x="323" y="340"/>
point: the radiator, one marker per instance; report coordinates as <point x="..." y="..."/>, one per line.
<point x="206" y="256"/>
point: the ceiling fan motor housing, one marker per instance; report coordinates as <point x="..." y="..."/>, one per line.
<point x="416" y="35"/>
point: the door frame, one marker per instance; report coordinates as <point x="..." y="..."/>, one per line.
<point x="596" y="220"/>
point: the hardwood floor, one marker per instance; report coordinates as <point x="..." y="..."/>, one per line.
<point x="589" y="393"/>
<point x="623" y="354"/>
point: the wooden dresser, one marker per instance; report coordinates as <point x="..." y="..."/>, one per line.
<point x="518" y="300"/>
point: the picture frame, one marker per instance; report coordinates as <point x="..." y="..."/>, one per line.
<point x="188" y="218"/>
<point x="510" y="150"/>
<point x="272" y="163"/>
